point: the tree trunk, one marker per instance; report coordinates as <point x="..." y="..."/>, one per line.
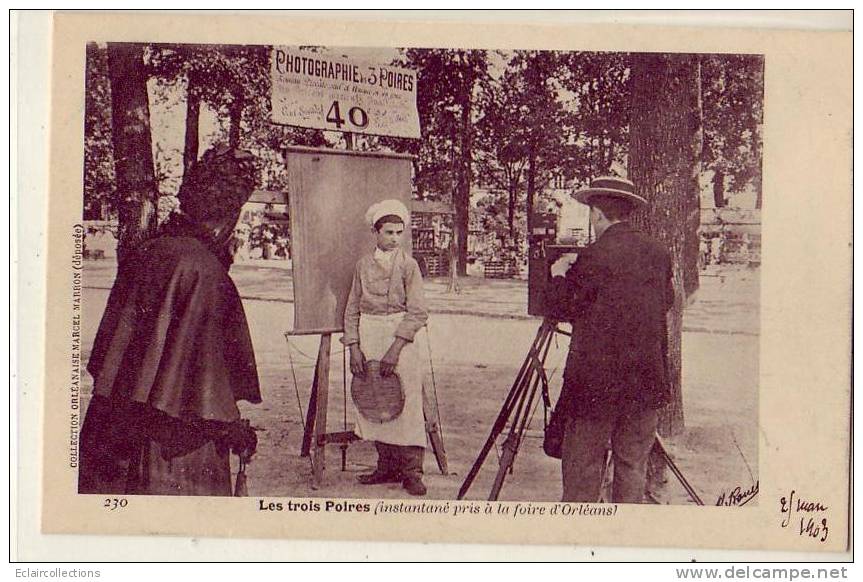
<point x="531" y="189"/>
<point x="452" y="254"/>
<point x="601" y="154"/>
<point x="719" y="189"/>
<point x="510" y="212"/>
<point x="758" y="182"/>
<point x="461" y="199"/>
<point x="236" y="116"/>
<point x="695" y="119"/>
<point x="663" y="164"/>
<point x="133" y="153"/>
<point x="193" y="114"/>
<point x="609" y="161"/>
<point x="418" y="184"/>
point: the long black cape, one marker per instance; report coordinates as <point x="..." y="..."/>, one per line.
<point x="174" y="334"/>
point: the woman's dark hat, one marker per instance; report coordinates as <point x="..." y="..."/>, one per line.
<point x="218" y="184"/>
<point x="610" y="186"/>
<point x="378" y="398"/>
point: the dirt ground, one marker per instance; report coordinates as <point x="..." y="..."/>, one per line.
<point x="478" y="340"/>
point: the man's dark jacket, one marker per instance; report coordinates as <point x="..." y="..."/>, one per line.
<point x="616" y="296"/>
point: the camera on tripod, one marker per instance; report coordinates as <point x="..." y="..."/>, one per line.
<point x="544" y="250"/>
<point x="531" y="383"/>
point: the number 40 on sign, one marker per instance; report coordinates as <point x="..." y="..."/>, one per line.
<point x="356" y="118"/>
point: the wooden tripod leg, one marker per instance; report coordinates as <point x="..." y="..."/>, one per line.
<point x="430" y="411"/>
<point x="309" y="430"/>
<point x="606" y="476"/>
<point x="322" y="378"/>
<point x="509" y="449"/>
<point x="515" y="394"/>
<point x="534" y="377"/>
<point x="660" y="447"/>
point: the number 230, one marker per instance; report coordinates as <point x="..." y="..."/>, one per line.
<point x="114" y="503"/>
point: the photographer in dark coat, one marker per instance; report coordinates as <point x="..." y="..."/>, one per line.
<point x="616" y="295"/>
<point x="173" y="354"/>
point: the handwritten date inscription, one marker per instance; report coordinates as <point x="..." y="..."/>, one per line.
<point x="812" y="522"/>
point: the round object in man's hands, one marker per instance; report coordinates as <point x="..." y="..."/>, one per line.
<point x="378" y="398"/>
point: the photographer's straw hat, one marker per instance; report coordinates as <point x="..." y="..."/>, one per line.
<point x="610" y="186"/>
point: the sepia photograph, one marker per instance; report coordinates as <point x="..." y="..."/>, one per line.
<point x="395" y="273"/>
<point x="410" y="281"/>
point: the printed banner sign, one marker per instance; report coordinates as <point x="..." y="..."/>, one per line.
<point x="338" y="93"/>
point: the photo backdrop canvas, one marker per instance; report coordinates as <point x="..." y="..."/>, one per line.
<point x="329" y="193"/>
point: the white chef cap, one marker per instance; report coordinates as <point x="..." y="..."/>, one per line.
<point x="385" y="207"/>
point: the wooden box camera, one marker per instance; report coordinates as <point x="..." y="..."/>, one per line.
<point x="542" y="257"/>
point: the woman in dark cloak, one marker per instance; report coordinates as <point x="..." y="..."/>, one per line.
<point x="173" y="355"/>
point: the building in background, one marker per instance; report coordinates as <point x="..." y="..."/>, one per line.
<point x="730" y="236"/>
<point x="431" y="232"/>
<point x="262" y="232"/>
<point x="264" y="228"/>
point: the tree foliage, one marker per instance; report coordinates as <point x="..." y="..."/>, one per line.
<point x="523" y="131"/>
<point x="448" y="81"/>
<point x="545" y="123"/>
<point x="599" y="97"/>
<point x="500" y="155"/>
<point x="234" y="81"/>
<point x="508" y="121"/>
<point x="99" y="178"/>
<point x="733" y="98"/>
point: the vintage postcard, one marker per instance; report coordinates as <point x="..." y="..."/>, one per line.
<point x="448" y="282"/>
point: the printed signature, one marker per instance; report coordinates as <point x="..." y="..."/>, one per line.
<point x="737" y="496"/>
<point x="812" y="522"/>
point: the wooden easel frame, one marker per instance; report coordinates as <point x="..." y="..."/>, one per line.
<point x="315" y="435"/>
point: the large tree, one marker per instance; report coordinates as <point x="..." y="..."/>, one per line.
<point x="132" y="147"/>
<point x="447" y="83"/>
<point x="664" y="164"/>
<point x="470" y="66"/>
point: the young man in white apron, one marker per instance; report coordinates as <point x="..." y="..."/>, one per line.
<point x="385" y="311"/>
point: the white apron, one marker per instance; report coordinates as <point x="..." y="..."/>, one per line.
<point x="407" y="429"/>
